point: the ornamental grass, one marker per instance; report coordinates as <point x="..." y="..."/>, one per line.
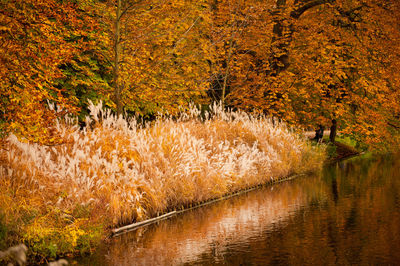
<point x="64" y="197"/>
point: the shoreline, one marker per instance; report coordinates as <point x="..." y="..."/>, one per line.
<point x="117" y="172"/>
<point x="345" y="152"/>
<point x="134" y="226"/>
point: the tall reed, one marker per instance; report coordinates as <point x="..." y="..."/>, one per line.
<point x="120" y="171"/>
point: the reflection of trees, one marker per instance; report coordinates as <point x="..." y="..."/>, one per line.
<point x="350" y="215"/>
<point x="362" y="227"/>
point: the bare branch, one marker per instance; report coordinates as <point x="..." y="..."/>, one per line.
<point x="300" y="11"/>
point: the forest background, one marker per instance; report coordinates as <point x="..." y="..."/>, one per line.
<point x="303" y="61"/>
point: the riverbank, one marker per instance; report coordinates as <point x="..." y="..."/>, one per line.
<point x="342" y="151"/>
<point x="339" y="151"/>
<point x="66" y="198"/>
<point x="351" y="208"/>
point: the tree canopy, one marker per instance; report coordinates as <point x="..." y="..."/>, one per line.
<point x="304" y="61"/>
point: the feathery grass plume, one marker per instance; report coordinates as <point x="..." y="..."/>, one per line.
<point x="116" y="171"/>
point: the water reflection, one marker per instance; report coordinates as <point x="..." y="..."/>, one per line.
<point x="348" y="215"/>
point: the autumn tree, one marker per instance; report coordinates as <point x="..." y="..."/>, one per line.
<point x="343" y="67"/>
<point x="158" y="54"/>
<point x="322" y="60"/>
<point x="39" y="38"/>
<point x="304" y="61"/>
<point x="240" y="34"/>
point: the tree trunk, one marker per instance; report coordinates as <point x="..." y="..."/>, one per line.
<point x="332" y="135"/>
<point x="227" y="73"/>
<point x="117" y="55"/>
<point x="283" y="32"/>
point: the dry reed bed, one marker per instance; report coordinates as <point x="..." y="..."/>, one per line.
<point x="120" y="172"/>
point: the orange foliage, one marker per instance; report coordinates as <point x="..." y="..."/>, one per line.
<point x="36" y="41"/>
<point x="308" y="62"/>
<point x="303" y="61"/>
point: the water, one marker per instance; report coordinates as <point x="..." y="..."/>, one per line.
<point x="350" y="214"/>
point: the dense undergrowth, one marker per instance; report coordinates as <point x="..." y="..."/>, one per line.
<point x="63" y="198"/>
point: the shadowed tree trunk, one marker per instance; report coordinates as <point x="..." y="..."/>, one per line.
<point x="283" y="30"/>
<point x="332" y="135"/>
<point x="117" y="55"/>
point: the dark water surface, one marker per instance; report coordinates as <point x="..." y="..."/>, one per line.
<point x="349" y="215"/>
